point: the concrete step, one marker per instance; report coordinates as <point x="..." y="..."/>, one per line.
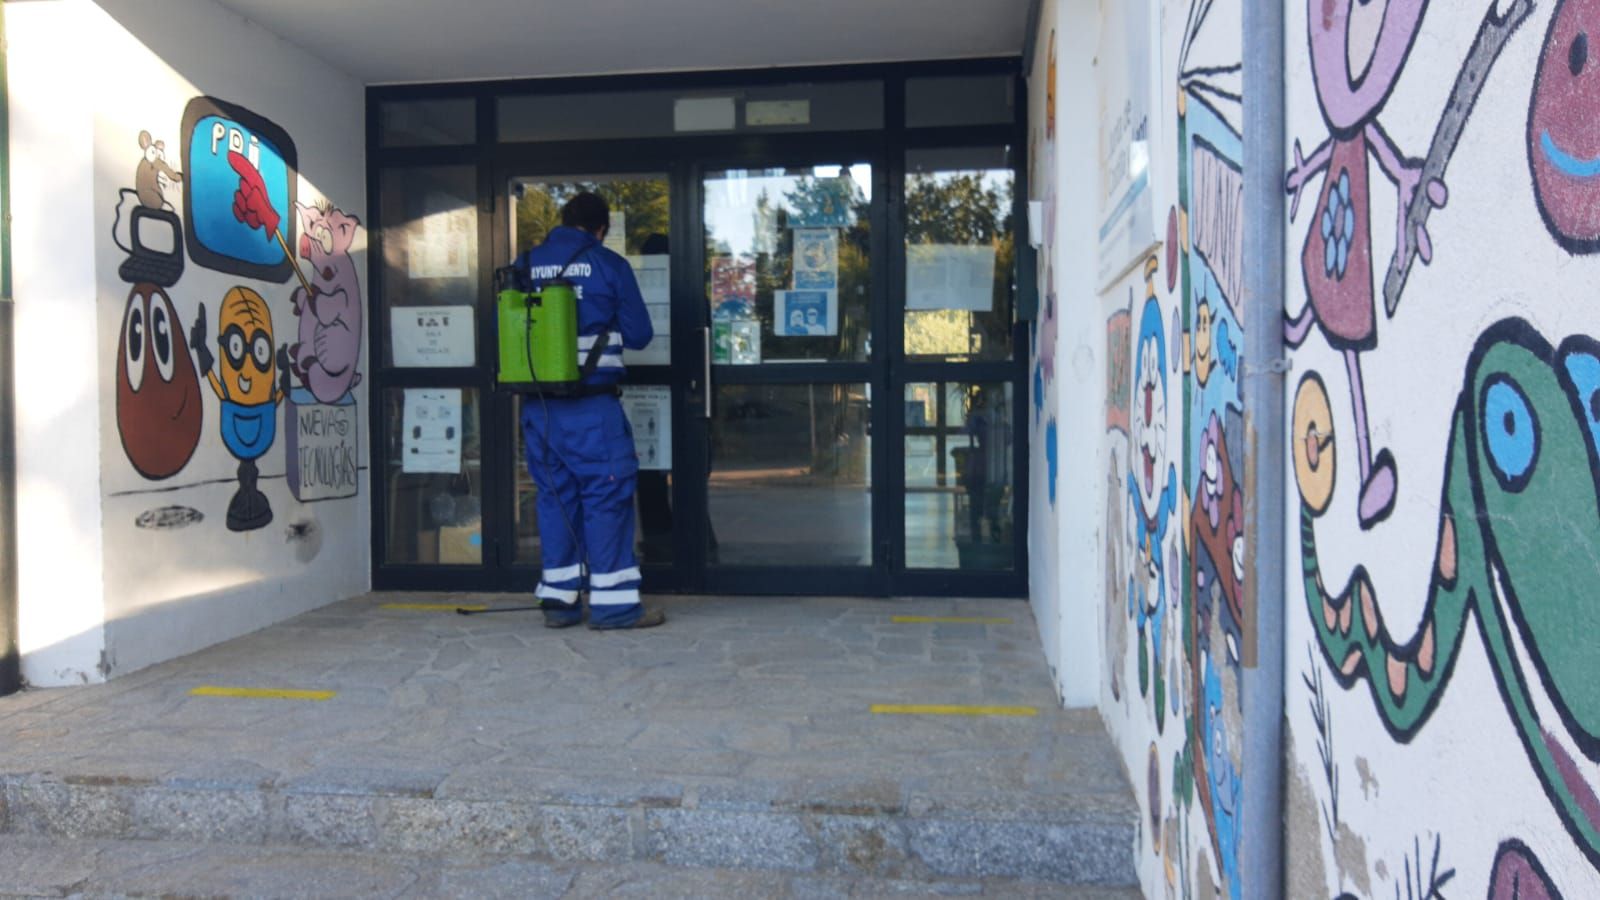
<point x="827" y="830"/>
<point x="49" y="867"/>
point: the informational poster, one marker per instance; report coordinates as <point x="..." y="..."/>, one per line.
<point x="431" y="438"/>
<point x="649" y="411"/>
<point x="821" y="203"/>
<point x="436" y="336"/>
<point x="816" y="259"/>
<point x="733" y="289"/>
<point x="617" y="235"/>
<point x="1127" y="216"/>
<point x="805" y="313"/>
<point x="440" y="244"/>
<point x="654" y="273"/>
<point x="950" y="276"/>
<point x="736" y="343"/>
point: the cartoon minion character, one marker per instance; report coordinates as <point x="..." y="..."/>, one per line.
<point x="247" y="382"/>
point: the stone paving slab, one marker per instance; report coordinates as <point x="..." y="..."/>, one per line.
<point x="35" y="867"/>
<point x="739" y="736"/>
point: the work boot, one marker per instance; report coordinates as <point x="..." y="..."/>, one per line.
<point x="561" y="615"/>
<point x="649" y="618"/>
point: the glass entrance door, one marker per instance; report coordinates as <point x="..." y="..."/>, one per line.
<point x="641" y="228"/>
<point x="790" y="295"/>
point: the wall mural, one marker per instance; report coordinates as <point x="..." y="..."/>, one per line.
<point x="240" y="216"/>
<point x="1174" y="420"/>
<point x="1515" y="532"/>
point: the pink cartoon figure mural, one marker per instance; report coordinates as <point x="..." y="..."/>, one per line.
<point x="1358" y="49"/>
<point x="329" y="344"/>
<point x="1564" y="127"/>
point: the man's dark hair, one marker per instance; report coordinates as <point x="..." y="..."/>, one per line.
<point x="587" y="211"/>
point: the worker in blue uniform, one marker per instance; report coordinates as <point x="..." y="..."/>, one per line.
<point x="580" y="449"/>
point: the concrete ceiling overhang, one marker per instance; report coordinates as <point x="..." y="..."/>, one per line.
<point x="399" y="41"/>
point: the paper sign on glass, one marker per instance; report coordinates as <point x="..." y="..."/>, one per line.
<point x="821" y="203"/>
<point x="649" y="411"/>
<point x="816" y="259"/>
<point x="432" y="336"/>
<point x="806" y="313"/>
<point x="950" y="276"/>
<point x="654" y="274"/>
<point x="733" y="289"/>
<point x="431" y="440"/>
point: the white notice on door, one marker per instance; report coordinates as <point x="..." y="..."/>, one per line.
<point x="654" y="273"/>
<point x="649" y="411"/>
<point x="432" y="336"/>
<point x="431" y="442"/>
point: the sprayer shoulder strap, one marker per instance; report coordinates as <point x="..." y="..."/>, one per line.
<point x="592" y="361"/>
<point x="574" y="258"/>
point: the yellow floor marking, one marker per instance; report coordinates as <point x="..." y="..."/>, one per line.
<point x="913" y="709"/>
<point x="261" y="693"/>
<point x="433" y="607"/>
<point x="955" y="620"/>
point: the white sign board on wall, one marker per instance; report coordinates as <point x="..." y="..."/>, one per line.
<point x="1127" y="215"/>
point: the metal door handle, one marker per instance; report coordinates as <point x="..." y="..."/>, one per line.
<point x="706" y="335"/>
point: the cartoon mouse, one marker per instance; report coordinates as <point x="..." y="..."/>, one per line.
<point x="1358" y="49"/>
<point x="325" y="357"/>
<point x="152" y="177"/>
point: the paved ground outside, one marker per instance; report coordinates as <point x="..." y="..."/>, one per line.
<point x="738" y="745"/>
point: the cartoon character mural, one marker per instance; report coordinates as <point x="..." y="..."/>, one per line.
<point x="1152" y="485"/>
<point x="1564" y="127"/>
<point x="1358" y="50"/>
<point x="329" y="308"/>
<point x="159" y="409"/>
<point x="1522" y="475"/>
<point x="249" y="384"/>
<point x="153" y="176"/>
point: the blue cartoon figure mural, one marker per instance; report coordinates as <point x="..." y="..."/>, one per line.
<point x="1153" y="497"/>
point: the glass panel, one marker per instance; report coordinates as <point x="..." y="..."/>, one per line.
<point x="788" y="264"/>
<point x="961" y="100"/>
<point x="573" y="117"/>
<point x="790" y="480"/>
<point x="822" y="106"/>
<point x="428" y="123"/>
<point x="959" y="485"/>
<point x="652" y="504"/>
<point x="430" y="265"/>
<point x="960" y="254"/>
<point x="433" y="476"/>
<point x="642" y="217"/>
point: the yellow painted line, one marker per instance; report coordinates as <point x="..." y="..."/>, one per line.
<point x="953" y="620"/>
<point x="432" y="607"/>
<point x="261" y="693"/>
<point x="914" y="709"/>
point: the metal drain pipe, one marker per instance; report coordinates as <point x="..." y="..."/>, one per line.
<point x="1266" y="371"/>
<point x="10" y="659"/>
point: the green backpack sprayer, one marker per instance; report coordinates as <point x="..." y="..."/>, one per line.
<point x="537" y="336"/>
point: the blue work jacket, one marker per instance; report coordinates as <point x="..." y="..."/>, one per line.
<point x="608" y="296"/>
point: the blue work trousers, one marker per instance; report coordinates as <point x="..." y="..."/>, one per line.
<point x="580" y="454"/>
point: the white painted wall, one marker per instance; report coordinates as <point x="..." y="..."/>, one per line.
<point x="165" y="593"/>
<point x="1066" y="363"/>
<point x="62" y="607"/>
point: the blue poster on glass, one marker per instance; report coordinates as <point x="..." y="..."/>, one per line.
<point x="806" y="313"/>
<point x="821" y="203"/>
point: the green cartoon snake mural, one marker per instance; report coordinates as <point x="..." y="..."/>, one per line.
<point x="1518" y="549"/>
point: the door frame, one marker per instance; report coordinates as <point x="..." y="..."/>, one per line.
<point x="685" y="160"/>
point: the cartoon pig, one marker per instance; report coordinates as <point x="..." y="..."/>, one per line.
<point x="330" y="315"/>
